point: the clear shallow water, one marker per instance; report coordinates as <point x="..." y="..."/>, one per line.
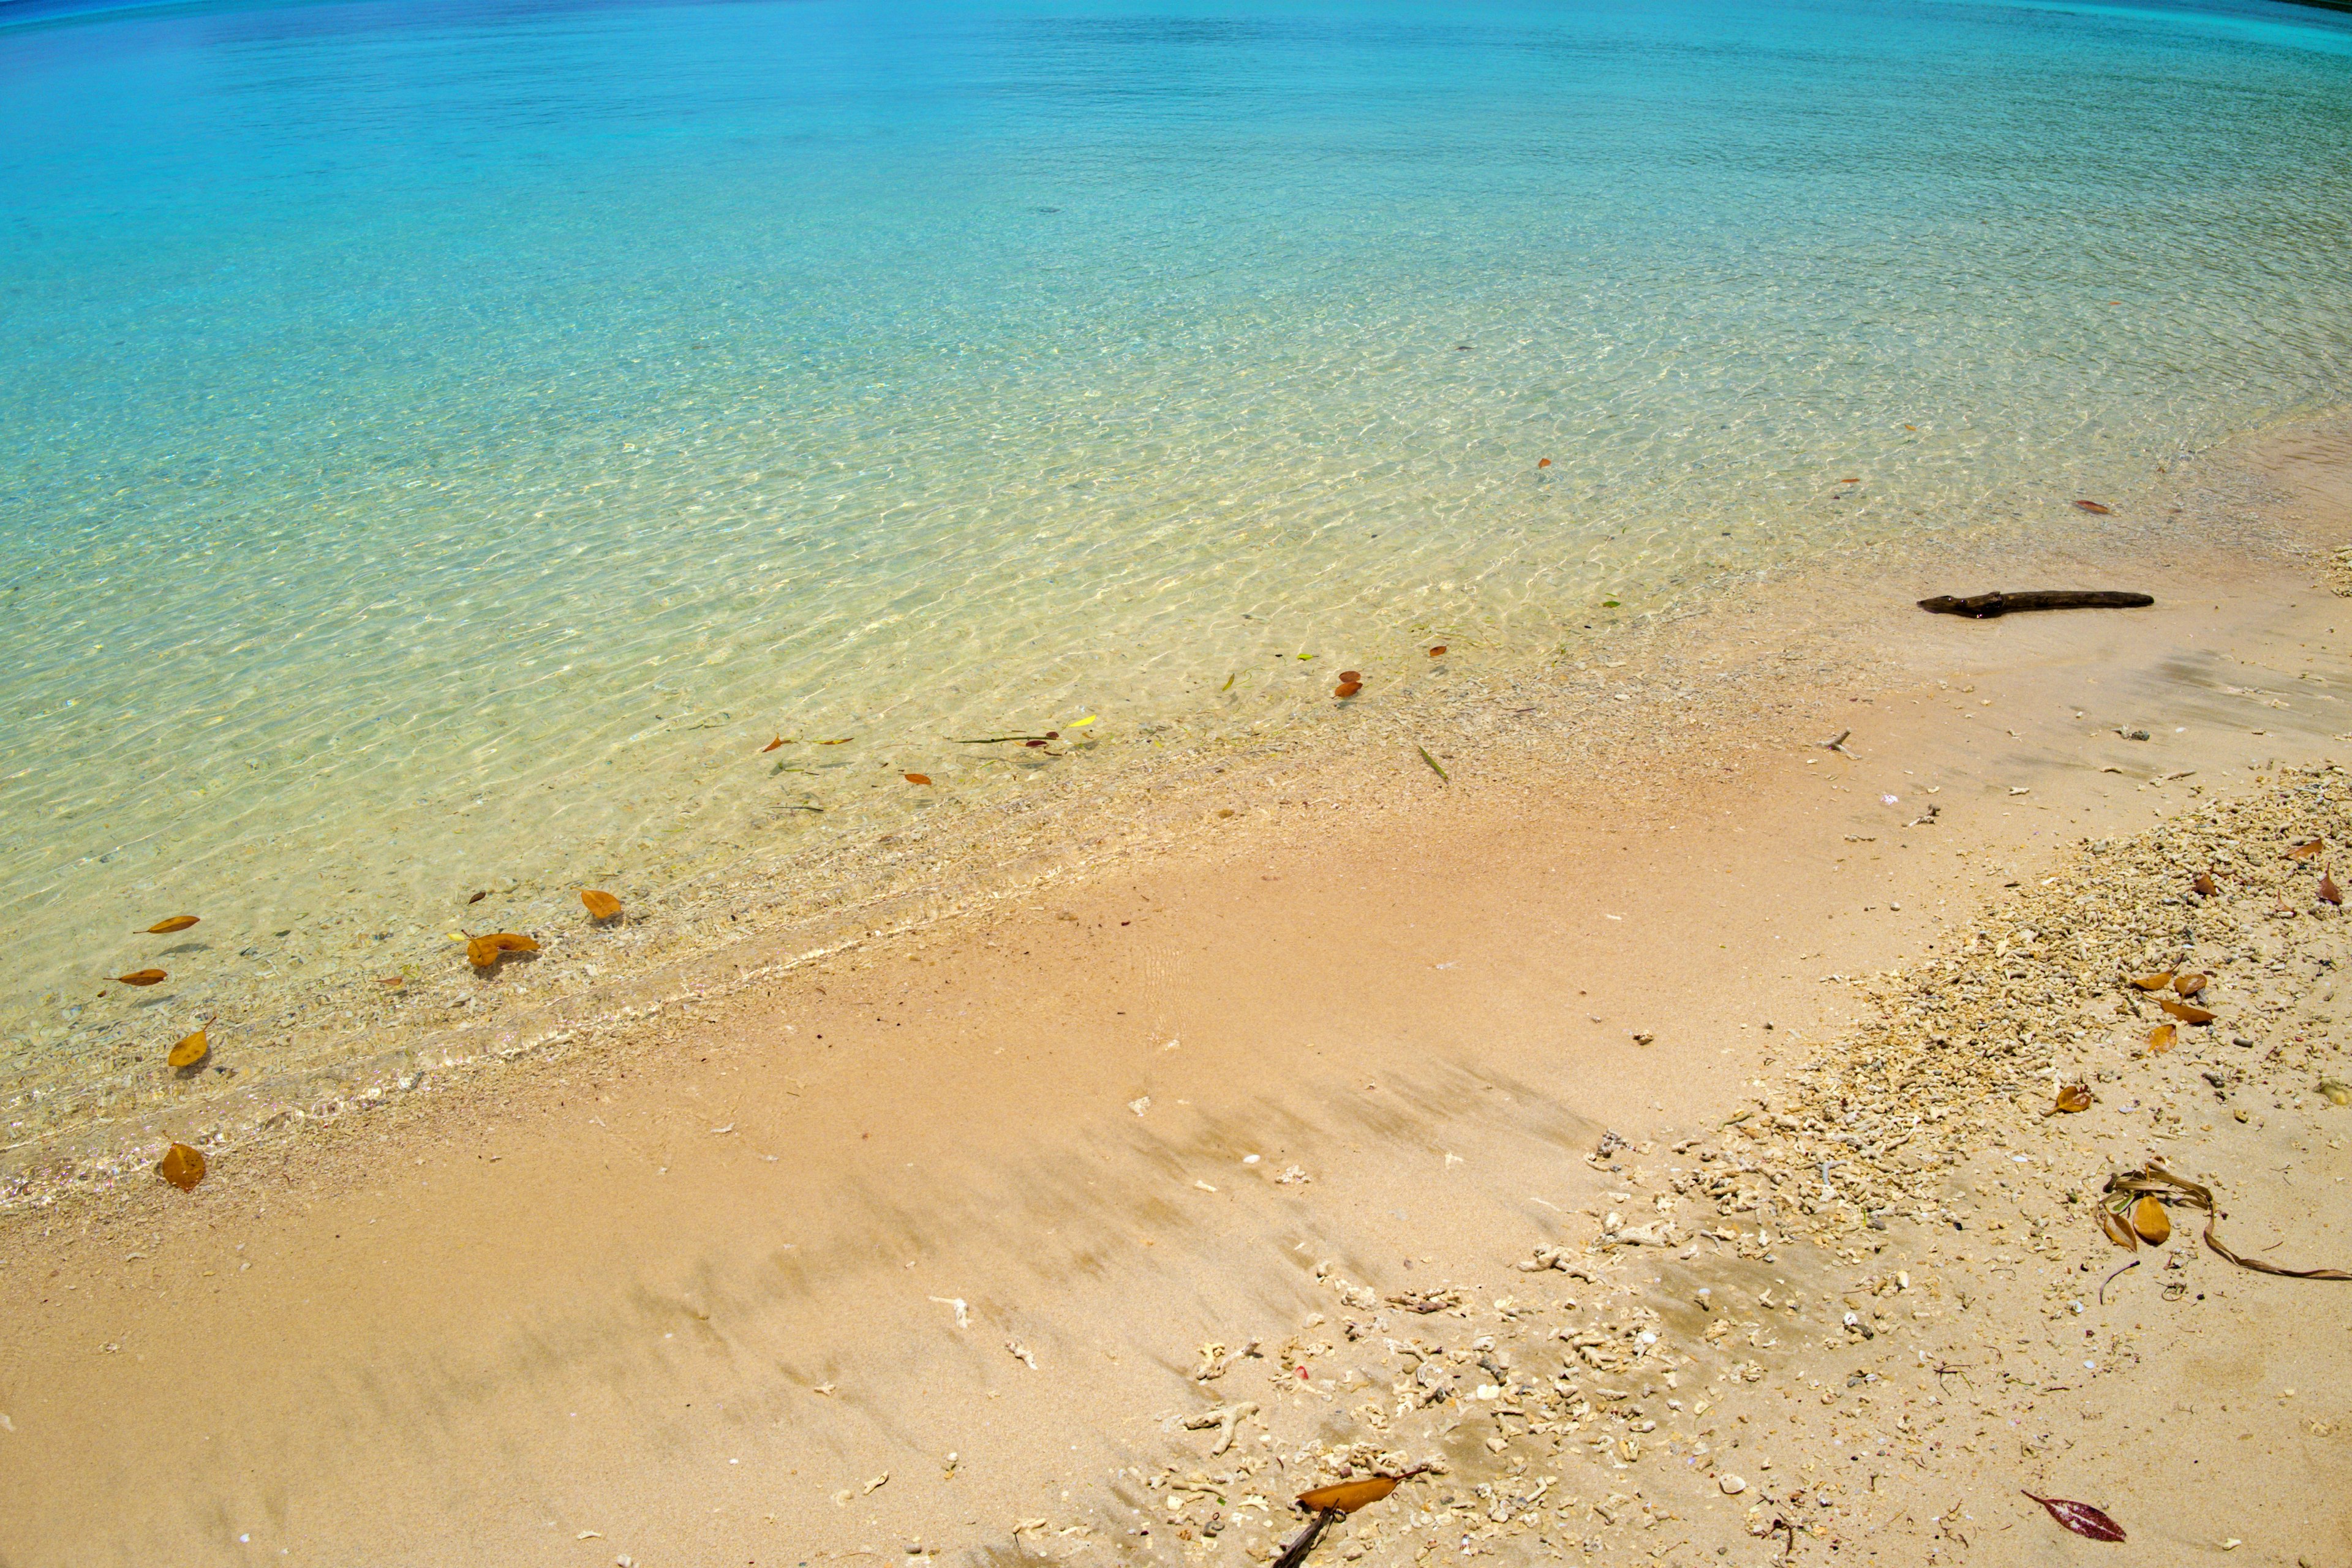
<point x="445" y="442"/>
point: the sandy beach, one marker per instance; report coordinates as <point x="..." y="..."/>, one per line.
<point x="1636" y="1110"/>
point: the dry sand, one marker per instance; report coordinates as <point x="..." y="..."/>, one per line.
<point x="927" y="1248"/>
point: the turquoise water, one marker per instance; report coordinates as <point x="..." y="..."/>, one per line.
<point x="445" y="442"/>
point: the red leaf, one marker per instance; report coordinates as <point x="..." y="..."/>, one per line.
<point x="2093" y="506"/>
<point x="2081" y="1518"/>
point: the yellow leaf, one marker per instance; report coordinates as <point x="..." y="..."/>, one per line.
<point x="190" y="1051"/>
<point x="1348" y="1496"/>
<point x="2149" y="1220"/>
<point x="182" y="1166"/>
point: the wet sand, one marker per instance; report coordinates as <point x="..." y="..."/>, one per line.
<point x="914" y="1250"/>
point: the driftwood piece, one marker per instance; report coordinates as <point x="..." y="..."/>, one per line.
<point x="1985" y="607"/>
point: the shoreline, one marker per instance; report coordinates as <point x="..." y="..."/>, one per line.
<point x="733" y="926"/>
<point x="988" y="1190"/>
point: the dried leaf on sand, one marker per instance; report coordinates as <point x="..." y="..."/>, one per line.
<point x="2153" y="1178"/>
<point x="177" y="922"/>
<point x="2081" y="1517"/>
<point x="1347" y="1497"/>
<point x="601" y="905"/>
<point x="2187" y="1013"/>
<point x="143" y="977"/>
<point x="2074" y="1097"/>
<point x="189" y="1051"/>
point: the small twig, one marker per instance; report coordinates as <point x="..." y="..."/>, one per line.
<point x="2112" y="1277"/>
<point x="1839" y="744"/>
<point x="1295" y="1553"/>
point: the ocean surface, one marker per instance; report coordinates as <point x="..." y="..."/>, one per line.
<point x="442" y="443"/>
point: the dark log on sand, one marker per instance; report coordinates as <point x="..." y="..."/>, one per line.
<point x="1985" y="607"/>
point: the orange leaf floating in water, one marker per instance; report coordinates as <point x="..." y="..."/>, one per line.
<point x="2190" y="984"/>
<point x="2204" y="885"/>
<point x="1543" y="462"/>
<point x="1347" y="689"/>
<point x="2075" y="1096"/>
<point x="1437" y="652"/>
<point x="508" y="941"/>
<point x="2154" y="982"/>
<point x="2148" y="1218"/>
<point x="143" y="977"/>
<point x="1347" y="1497"/>
<point x="772" y="745"/>
<point x="2093" y="506"/>
<point x="1849" y="481"/>
<point x="1356" y="675"/>
<point x="922" y="779"/>
<point x="2307" y="849"/>
<point x="478" y="898"/>
<point x="2160" y="1038"/>
<point x="182" y="1166"/>
<point x="2329" y="892"/>
<point x="1034" y="745"/>
<point x="177" y="922"/>
<point x="190" y="1051"/>
<point x="482" y="952"/>
<point x="601" y="906"/>
<point x="2187" y="1014"/>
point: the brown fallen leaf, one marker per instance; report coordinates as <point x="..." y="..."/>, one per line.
<point x="482" y="952"/>
<point x="2306" y="850"/>
<point x="2329" y="893"/>
<point x="602" y="906"/>
<point x="2186" y="1012"/>
<point x="2075" y="1096"/>
<point x="772" y="745"/>
<point x="2150" y="1222"/>
<point x="143" y="977"/>
<point x="922" y="779"/>
<point x="395" y="981"/>
<point x="510" y="941"/>
<point x="2093" y="506"/>
<point x="1437" y="652"/>
<point x="2160" y="1038"/>
<point x="190" y="1051"/>
<point x="1543" y="462"/>
<point x="177" y="922"/>
<point x="2154" y="982"/>
<point x="1347" y="689"/>
<point x="1347" y="1497"/>
<point x="1347" y="675"/>
<point x="2118" y="1231"/>
<point x="2190" y="984"/>
<point x="2081" y="1517"/>
<point x="2204" y="885"/>
<point x="2154" y="1178"/>
<point x="182" y="1166"/>
<point x="478" y="898"/>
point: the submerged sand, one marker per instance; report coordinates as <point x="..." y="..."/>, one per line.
<point x="942" y="1244"/>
